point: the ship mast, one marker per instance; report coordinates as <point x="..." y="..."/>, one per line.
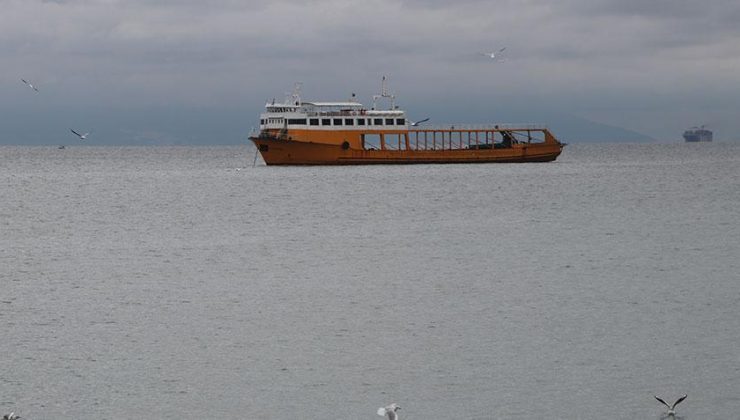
<point x="384" y="94"/>
<point x="294" y="98"/>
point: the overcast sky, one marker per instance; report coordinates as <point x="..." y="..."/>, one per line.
<point x="117" y="66"/>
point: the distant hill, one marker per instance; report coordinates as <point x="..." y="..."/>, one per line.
<point x="575" y="129"/>
<point x="134" y="127"/>
<point x="191" y="126"/>
<point x="566" y="127"/>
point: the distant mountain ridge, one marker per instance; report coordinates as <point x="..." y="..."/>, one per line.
<point x="566" y="127"/>
<point x="227" y="126"/>
<point x="575" y="129"/>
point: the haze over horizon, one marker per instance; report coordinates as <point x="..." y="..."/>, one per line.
<point x="188" y="72"/>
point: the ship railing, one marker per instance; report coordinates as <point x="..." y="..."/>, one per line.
<point x="355" y="113"/>
<point x="457" y="139"/>
<point x="480" y="127"/>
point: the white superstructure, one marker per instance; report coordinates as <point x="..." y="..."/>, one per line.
<point x="293" y="113"/>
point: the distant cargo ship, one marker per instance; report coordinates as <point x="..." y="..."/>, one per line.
<point x="697" y="134"/>
<point x="347" y="133"/>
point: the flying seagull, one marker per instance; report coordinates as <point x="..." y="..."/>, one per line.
<point x="11" y="416"/>
<point x="494" y="54"/>
<point x="416" y="123"/>
<point x="27" y="83"/>
<point x="389" y="411"/>
<point x="81" y="136"/>
<point x="671" y="408"/>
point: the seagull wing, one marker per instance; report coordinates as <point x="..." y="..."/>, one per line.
<point x="80" y="135"/>
<point x="678" y="401"/>
<point x="24" y="81"/>
<point x="502" y="49"/>
<point x="421" y="121"/>
<point x="381" y="411"/>
<point x="664" y="403"/>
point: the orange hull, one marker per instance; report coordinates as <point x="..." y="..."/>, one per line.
<point x="290" y="152"/>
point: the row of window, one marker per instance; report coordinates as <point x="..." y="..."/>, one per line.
<point x="336" y="121"/>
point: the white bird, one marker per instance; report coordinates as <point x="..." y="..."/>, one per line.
<point x="494" y="54"/>
<point x="11" y="416"/>
<point x="389" y="411"/>
<point x="81" y="136"/>
<point x="671" y="408"/>
<point x="27" y="83"/>
<point x="416" y="123"/>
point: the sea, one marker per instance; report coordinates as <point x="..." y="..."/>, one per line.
<point x="198" y="283"/>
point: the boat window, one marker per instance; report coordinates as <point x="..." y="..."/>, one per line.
<point x="360" y="121"/>
<point x="378" y="121"/>
<point x="389" y="121"/>
<point x="314" y="121"/>
<point x="325" y="121"/>
<point x="262" y="121"/>
<point x="297" y="121"/>
<point x="349" y="121"/>
<point x="400" y="121"/>
<point x="337" y="121"/>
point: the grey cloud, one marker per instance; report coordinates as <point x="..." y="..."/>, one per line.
<point x="716" y="18"/>
<point x="187" y="51"/>
<point x="659" y="9"/>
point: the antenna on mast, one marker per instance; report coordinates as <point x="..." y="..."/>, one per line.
<point x="384" y="94"/>
<point x="294" y="98"/>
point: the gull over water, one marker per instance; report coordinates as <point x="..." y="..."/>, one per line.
<point x="672" y="407"/>
<point x="81" y="136"/>
<point x="390" y="411"/>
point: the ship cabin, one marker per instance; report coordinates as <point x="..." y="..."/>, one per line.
<point x="330" y="116"/>
<point x="349" y="124"/>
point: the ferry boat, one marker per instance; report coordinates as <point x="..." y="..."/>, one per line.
<point x="347" y="133"/>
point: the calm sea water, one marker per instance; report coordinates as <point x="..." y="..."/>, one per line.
<point x="184" y="283"/>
